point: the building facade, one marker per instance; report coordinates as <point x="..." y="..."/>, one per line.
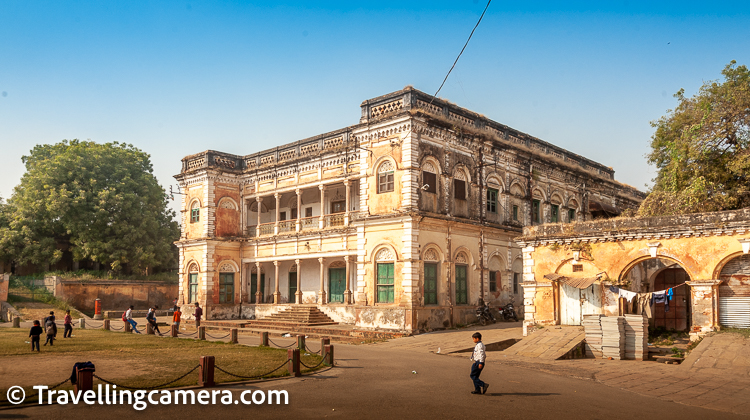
<point x="704" y="258"/>
<point x="403" y="221"/>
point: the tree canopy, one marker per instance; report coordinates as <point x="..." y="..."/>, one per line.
<point x="701" y="149"/>
<point x="99" y="201"/>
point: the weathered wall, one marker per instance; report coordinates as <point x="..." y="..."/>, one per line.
<point x="117" y="294"/>
<point x="4" y="282"/>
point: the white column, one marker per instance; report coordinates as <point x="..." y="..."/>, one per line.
<point x="277" y="196"/>
<point x="257" y="228"/>
<point x="348" y="291"/>
<point x="298" y="226"/>
<point x="322" y="291"/>
<point x="347" y="184"/>
<point x="258" y="292"/>
<point x="299" y="281"/>
<point x="321" y="220"/>
<point x="276" y="293"/>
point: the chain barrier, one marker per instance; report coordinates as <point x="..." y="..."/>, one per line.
<point x="312" y="367"/>
<point x="310" y="351"/>
<point x="218" y="338"/>
<point x="283" y="347"/>
<point x="149" y="387"/>
<point x="187" y="334"/>
<point x="95" y="326"/>
<point x="252" y="377"/>
<point x="115" y="328"/>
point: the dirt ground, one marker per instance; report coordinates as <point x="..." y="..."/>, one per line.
<point x="31" y="311"/>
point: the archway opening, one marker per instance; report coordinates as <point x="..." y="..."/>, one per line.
<point x="656" y="275"/>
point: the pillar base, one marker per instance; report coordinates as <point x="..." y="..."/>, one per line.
<point x="258" y="297"/>
<point x="98" y="316"/>
<point x="322" y="298"/>
<point x="298" y="296"/>
<point x="348" y="297"/>
<point x="276" y="298"/>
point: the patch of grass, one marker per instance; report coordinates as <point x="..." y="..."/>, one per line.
<point x="89" y="275"/>
<point x="18" y="295"/>
<point x="745" y="332"/>
<point x="694" y="344"/>
<point x="166" y="358"/>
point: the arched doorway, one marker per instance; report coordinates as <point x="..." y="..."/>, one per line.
<point x="676" y="316"/>
<point x="655" y="275"/>
<point x="734" y="293"/>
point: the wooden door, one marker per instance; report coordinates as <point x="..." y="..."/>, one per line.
<point x="336" y="284"/>
<point x="677" y="317"/>
<point x="570" y="305"/>
<point x="293" y="287"/>
<point x="254" y="286"/>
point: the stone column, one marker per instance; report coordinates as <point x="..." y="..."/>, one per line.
<point x="299" y="282"/>
<point x="347" y="184"/>
<point x="259" y="200"/>
<point x="348" y="291"/>
<point x="277" y="196"/>
<point x="704" y="304"/>
<point x="276" y="293"/>
<point x="321" y="219"/>
<point x="258" y="292"/>
<point x="298" y="225"/>
<point x="322" y="291"/>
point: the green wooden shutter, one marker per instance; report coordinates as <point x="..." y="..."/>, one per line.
<point x="430" y="284"/>
<point x="385" y="283"/>
<point x="461" y="292"/>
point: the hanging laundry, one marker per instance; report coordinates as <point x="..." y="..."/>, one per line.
<point x="660" y="297"/>
<point x="627" y="294"/>
<point x="670" y="293"/>
<point x="614" y="289"/>
<point x="642" y="304"/>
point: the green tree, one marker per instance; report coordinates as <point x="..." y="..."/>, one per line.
<point x="100" y="201"/>
<point x="702" y="149"/>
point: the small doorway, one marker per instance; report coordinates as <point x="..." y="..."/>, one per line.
<point x="575" y="303"/>
<point x="336" y="284"/>
<point x="293" y="287"/>
<point x="254" y="286"/>
<point x="677" y="317"/>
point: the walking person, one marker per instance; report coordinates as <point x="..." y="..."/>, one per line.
<point x="51" y="332"/>
<point x="198" y="314"/>
<point x="479" y="356"/>
<point x="151" y="319"/>
<point x="174" y="305"/>
<point x="35" y="332"/>
<point x="68" y="320"/>
<point x="47" y="320"/>
<point x="129" y="319"/>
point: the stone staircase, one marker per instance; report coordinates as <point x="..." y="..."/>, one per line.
<point x="296" y="316"/>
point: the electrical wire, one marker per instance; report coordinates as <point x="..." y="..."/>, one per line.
<point x="462" y="49"/>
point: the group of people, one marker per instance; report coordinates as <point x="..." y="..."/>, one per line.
<point x="50" y="330"/>
<point x="127" y="317"/>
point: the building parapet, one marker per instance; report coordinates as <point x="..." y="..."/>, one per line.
<point x="632" y="228"/>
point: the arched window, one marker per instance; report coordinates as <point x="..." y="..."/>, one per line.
<point x="462" y="268"/>
<point x="226" y="283"/>
<point x="385" y="279"/>
<point x="431" y="260"/>
<point x="459" y="185"/>
<point x="429" y="178"/>
<point x="195" y="211"/>
<point x="385" y="177"/>
<point x="193" y="283"/>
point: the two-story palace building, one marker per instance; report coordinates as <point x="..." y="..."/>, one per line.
<point x="404" y="221"/>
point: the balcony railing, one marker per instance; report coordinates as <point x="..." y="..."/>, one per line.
<point x="334" y="220"/>
<point x="308" y="223"/>
<point x="287" y="226"/>
<point x="252" y="231"/>
<point x="266" y="229"/>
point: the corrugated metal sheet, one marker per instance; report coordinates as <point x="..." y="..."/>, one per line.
<point x="734" y="312"/>
<point x="577" y="282"/>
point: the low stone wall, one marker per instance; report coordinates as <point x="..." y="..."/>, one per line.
<point x="115" y="295"/>
<point x="7" y="312"/>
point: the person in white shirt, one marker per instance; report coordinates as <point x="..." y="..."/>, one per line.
<point x="479" y="356"/>
<point x="129" y="319"/>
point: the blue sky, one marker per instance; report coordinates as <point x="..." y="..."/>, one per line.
<point x="176" y="78"/>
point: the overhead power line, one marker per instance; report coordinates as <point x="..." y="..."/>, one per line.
<point x="462" y="49"/>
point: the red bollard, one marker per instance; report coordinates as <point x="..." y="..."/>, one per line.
<point x="293" y="355"/>
<point x="98" y="309"/>
<point x="84" y="380"/>
<point x="206" y="371"/>
<point x="328" y="358"/>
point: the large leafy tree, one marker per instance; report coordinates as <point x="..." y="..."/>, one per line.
<point x="701" y="149"/>
<point x="100" y="201"/>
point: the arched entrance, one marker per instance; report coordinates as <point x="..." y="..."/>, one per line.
<point x="676" y="316"/>
<point x="734" y="293"/>
<point x="655" y="275"/>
